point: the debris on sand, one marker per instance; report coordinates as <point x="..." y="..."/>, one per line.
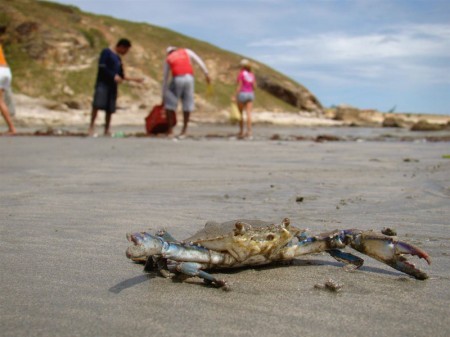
<point x="330" y="285"/>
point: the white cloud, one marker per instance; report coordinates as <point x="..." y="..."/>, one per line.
<point x="396" y="42"/>
<point x="412" y="52"/>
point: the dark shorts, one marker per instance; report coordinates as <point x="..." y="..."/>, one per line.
<point x="105" y="97"/>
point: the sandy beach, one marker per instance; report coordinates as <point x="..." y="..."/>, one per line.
<point x="67" y="203"/>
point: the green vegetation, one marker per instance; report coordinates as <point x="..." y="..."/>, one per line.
<point x="78" y="81"/>
<point x="95" y="37"/>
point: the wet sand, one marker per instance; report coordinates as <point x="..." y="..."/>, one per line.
<point x="202" y="131"/>
<point x="66" y="204"/>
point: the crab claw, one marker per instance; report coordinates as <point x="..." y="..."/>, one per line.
<point x="389" y="250"/>
<point x="144" y="245"/>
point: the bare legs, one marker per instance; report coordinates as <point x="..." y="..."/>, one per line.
<point x="186" y="115"/>
<point x="94" y="117"/>
<point x="170" y="115"/>
<point x="5" y="113"/>
<point x="92" y="125"/>
<point x="247" y="107"/>
<point x="108" y="116"/>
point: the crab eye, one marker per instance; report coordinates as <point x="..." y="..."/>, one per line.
<point x="240" y="228"/>
<point x="270" y="237"/>
<point x="286" y="222"/>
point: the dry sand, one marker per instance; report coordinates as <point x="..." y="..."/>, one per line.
<point x="66" y="204"/>
<point x="41" y="112"/>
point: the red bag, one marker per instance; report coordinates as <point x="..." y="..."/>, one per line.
<point x="156" y="121"/>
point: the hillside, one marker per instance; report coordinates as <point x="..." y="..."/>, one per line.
<point x="53" y="51"/>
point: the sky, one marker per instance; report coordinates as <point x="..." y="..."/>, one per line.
<point x="371" y="54"/>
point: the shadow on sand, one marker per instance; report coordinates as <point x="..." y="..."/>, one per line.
<point x="116" y="289"/>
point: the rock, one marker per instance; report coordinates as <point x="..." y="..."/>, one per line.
<point x="68" y="90"/>
<point x="26" y="28"/>
<point x="275" y="136"/>
<point x="424" y="125"/>
<point x="54" y="105"/>
<point x="330" y="285"/>
<point x="73" y="105"/>
<point x="327" y="138"/>
<point x="357" y="117"/>
<point x="294" y="95"/>
<point x="299" y="199"/>
<point x="389" y="231"/>
<point x="392" y="122"/>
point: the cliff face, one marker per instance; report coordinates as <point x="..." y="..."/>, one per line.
<point x="53" y="51"/>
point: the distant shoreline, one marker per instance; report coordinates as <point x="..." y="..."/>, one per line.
<point x="42" y="113"/>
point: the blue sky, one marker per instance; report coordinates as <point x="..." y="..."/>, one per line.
<point x="366" y="53"/>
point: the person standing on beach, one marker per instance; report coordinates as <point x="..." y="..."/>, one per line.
<point x="5" y="84"/>
<point x="110" y="74"/>
<point x="179" y="62"/>
<point x="245" y="95"/>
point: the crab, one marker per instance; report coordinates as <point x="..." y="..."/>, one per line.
<point x="241" y="243"/>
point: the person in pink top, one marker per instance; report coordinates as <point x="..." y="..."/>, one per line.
<point x="245" y="95"/>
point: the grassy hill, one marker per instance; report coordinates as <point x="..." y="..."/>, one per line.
<point x="53" y="52"/>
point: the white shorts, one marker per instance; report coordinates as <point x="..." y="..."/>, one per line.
<point x="5" y="78"/>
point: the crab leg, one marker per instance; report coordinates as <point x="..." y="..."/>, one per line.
<point x="166" y="236"/>
<point x="352" y="261"/>
<point x="187" y="259"/>
<point x="388" y="250"/>
<point x="383" y="248"/>
<point x="195" y="269"/>
<point x="146" y="245"/>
